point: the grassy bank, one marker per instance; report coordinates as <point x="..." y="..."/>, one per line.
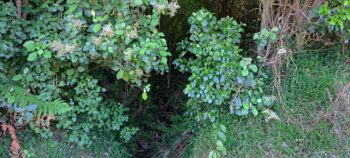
<point x="307" y="126"/>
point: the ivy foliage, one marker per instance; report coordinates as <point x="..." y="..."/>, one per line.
<point x="57" y="49"/>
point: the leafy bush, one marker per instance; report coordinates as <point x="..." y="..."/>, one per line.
<point x="335" y="14"/>
<point x="56" y="51"/>
<point x="221" y="79"/>
<point x="219" y="74"/>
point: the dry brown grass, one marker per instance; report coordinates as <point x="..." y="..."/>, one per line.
<point x="340" y="116"/>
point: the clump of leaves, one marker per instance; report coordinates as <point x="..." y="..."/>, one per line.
<point x="335" y="14"/>
<point x="265" y="37"/>
<point x="220" y="76"/>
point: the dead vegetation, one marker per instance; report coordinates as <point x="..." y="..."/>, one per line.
<point x="340" y="116"/>
<point x="15" y="147"/>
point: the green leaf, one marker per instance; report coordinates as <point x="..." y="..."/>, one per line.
<point x="243" y="64"/>
<point x="273" y="37"/>
<point x="142" y="52"/>
<point x="212" y="154"/>
<point x="256" y="36"/>
<point x="70" y="72"/>
<point x="154" y="22"/>
<point x="265" y="32"/>
<point x="17" y="78"/>
<point x="93" y="13"/>
<point x="254" y="68"/>
<point x="163" y="53"/>
<point x="120" y="74"/>
<point x="119" y="32"/>
<point x="110" y="49"/>
<point x="222" y="136"/>
<point x="32" y="56"/>
<point x="138" y="2"/>
<point x="245" y="112"/>
<point x="144" y="95"/>
<point x="164" y="60"/>
<point x="219" y="144"/>
<point x="126" y="76"/>
<point x="40" y="51"/>
<point x="223" y="128"/>
<point x="199" y="18"/>
<point x="47" y="54"/>
<point x="255" y="112"/>
<point x="26" y="70"/>
<point x="29" y="45"/>
<point x="245" y="72"/>
<point x="11" y="99"/>
<point x="72" y="8"/>
<point x="246" y="105"/>
<point x="96" y="27"/>
<point x="81" y="69"/>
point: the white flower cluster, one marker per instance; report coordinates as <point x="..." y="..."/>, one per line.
<point x="97" y="41"/>
<point x="139" y="72"/>
<point x="133" y="32"/>
<point x="282" y="50"/>
<point x="77" y="23"/>
<point x="128" y="55"/>
<point x="61" y="48"/>
<point x="173" y="6"/>
<point x="107" y="31"/>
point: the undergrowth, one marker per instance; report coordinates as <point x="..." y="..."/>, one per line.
<point x="33" y="146"/>
<point x="305" y="129"/>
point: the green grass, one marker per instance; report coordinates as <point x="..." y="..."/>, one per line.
<point x="57" y="147"/>
<point x="305" y="129"/>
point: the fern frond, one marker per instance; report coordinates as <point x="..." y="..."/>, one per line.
<point x="19" y="96"/>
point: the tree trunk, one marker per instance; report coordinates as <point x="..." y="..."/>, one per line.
<point x="266" y="6"/>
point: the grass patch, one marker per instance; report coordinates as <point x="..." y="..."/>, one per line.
<point x="34" y="146"/>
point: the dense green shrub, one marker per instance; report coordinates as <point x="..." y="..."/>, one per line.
<point x="219" y="74"/>
<point x="221" y="80"/>
<point x="56" y="51"/>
